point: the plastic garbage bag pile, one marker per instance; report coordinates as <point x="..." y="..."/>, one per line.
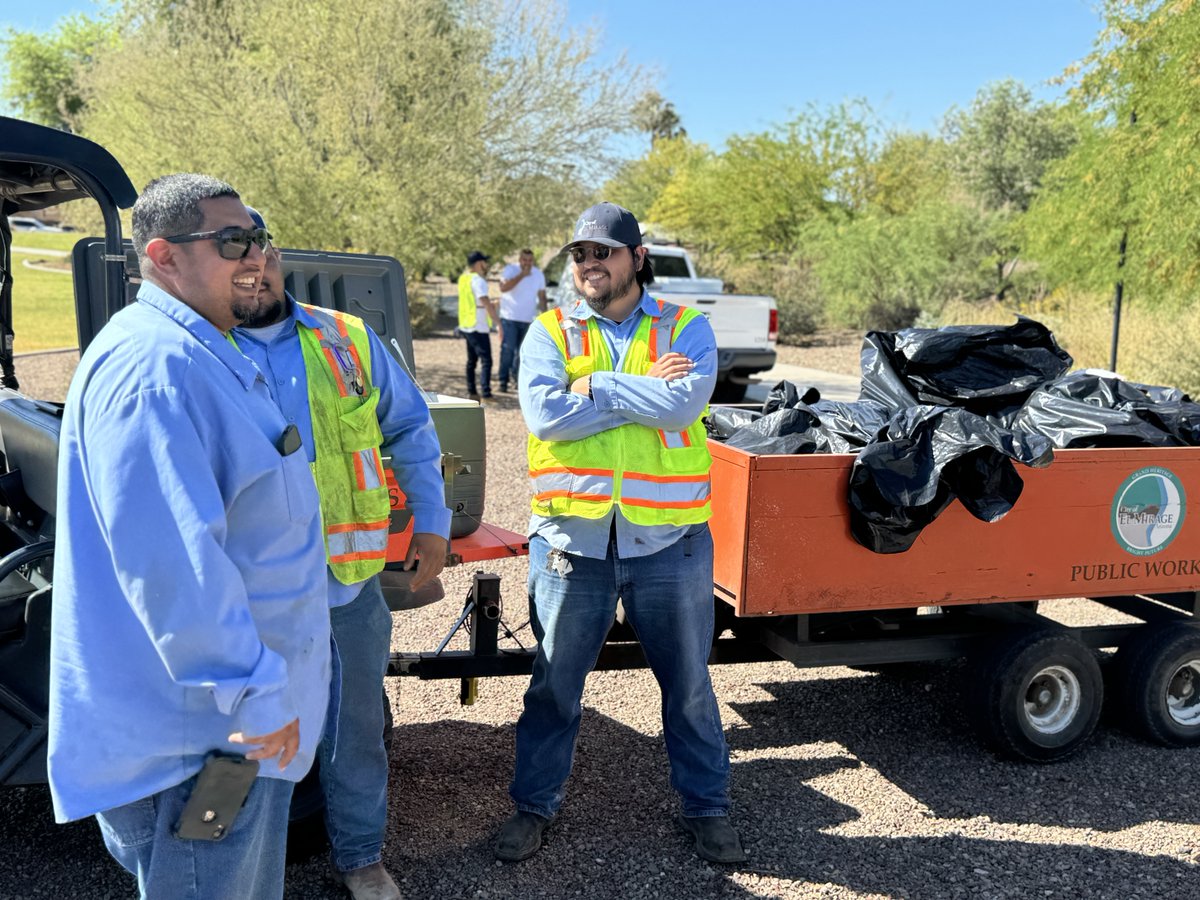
<point x="944" y="414"/>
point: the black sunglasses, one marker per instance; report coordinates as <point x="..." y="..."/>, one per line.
<point x="600" y="252"/>
<point x="232" y="243"/>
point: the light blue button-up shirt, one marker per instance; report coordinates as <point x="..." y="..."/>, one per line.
<point x="554" y="413"/>
<point x="408" y="434"/>
<point x="189" y="595"/>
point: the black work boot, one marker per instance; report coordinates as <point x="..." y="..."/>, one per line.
<point x="716" y="840"/>
<point x="520" y="837"/>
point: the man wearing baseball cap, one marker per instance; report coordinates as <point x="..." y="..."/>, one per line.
<point x="476" y="313"/>
<point x="613" y="387"/>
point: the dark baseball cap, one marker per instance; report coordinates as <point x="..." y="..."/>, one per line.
<point x="256" y="216"/>
<point x="475" y="256"/>
<point x="607" y="224"/>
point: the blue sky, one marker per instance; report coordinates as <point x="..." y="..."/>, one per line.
<point x="740" y="66"/>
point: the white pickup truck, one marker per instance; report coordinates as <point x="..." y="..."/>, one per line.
<point x="745" y="326"/>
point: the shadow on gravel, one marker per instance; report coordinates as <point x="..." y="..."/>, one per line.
<point x="912" y="728"/>
<point x="940" y="867"/>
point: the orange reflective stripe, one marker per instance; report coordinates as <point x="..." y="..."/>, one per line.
<point x="360" y="478"/>
<point x="356" y="557"/>
<point x="357" y="526"/>
<point x="665" y="504"/>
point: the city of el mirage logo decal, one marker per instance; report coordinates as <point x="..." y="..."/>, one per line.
<point x="1147" y="511"/>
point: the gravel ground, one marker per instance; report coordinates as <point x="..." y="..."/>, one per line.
<point x="846" y="784"/>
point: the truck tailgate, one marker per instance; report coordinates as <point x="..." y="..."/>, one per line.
<point x="740" y="321"/>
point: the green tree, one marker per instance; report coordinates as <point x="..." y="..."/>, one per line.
<point x="1134" y="172"/>
<point x="639" y="183"/>
<point x="416" y="128"/>
<point x="760" y="193"/>
<point x="43" y="70"/>
<point x="1003" y="143"/>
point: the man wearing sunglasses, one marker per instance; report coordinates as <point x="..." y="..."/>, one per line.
<point x="613" y="386"/>
<point x="353" y="404"/>
<point x="191" y="616"/>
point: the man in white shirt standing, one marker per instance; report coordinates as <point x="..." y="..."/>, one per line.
<point x="522" y="296"/>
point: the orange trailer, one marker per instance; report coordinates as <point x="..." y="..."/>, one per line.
<point x="1110" y="525"/>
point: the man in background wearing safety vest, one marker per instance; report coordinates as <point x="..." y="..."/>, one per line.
<point x="476" y="313"/>
<point x="613" y="387"/>
<point x="353" y="404"/>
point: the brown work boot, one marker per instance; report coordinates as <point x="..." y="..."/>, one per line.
<point x="370" y="883"/>
<point x="520" y="837"/>
<point x="716" y="840"/>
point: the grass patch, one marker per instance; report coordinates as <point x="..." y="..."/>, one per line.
<point x="1157" y="346"/>
<point x="43" y="306"/>
<point x="47" y="240"/>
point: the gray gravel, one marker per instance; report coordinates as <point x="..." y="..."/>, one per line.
<point x="845" y="784"/>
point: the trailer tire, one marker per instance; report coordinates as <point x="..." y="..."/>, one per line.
<point x="1038" y="698"/>
<point x="1158" y="676"/>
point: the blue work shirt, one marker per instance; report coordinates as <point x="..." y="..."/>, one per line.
<point x="408" y="434"/>
<point x="554" y="413"/>
<point x="189" y="595"/>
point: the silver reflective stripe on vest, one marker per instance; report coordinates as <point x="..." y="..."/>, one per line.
<point x="370" y="473"/>
<point x="674" y="440"/>
<point x="565" y="483"/>
<point x="663" y="326"/>
<point x="371" y="541"/>
<point x="573" y="334"/>
<point x="665" y="492"/>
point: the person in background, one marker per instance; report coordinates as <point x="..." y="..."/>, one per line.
<point x="190" y="606"/>
<point x="522" y="296"/>
<point x="613" y="389"/>
<point x="476" y="314"/>
<point x="353" y="404"/>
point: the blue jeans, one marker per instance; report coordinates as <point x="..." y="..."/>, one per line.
<point x="354" y="766"/>
<point x="247" y="863"/>
<point x="510" y="347"/>
<point x="479" y="350"/>
<point x="668" y="599"/>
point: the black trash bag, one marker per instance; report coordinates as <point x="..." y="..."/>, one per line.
<point x="848" y="427"/>
<point x="925" y="458"/>
<point x="723" y="421"/>
<point x="783" y="431"/>
<point x="987" y="369"/>
<point x="787" y="394"/>
<point x="1091" y="409"/>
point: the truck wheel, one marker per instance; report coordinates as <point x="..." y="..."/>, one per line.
<point x="1039" y="697"/>
<point x="1159" y="684"/>
<point x="727" y="391"/>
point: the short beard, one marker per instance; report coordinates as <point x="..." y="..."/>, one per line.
<point x="616" y="290"/>
<point x="268" y="313"/>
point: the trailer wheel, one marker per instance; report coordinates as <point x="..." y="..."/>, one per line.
<point x="1039" y="697"/>
<point x="1159" y="686"/>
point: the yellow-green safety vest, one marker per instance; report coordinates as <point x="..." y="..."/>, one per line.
<point x="655" y="477"/>
<point x="468" y="306"/>
<point x="342" y="398"/>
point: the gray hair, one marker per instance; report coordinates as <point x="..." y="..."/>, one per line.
<point x="170" y="205"/>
